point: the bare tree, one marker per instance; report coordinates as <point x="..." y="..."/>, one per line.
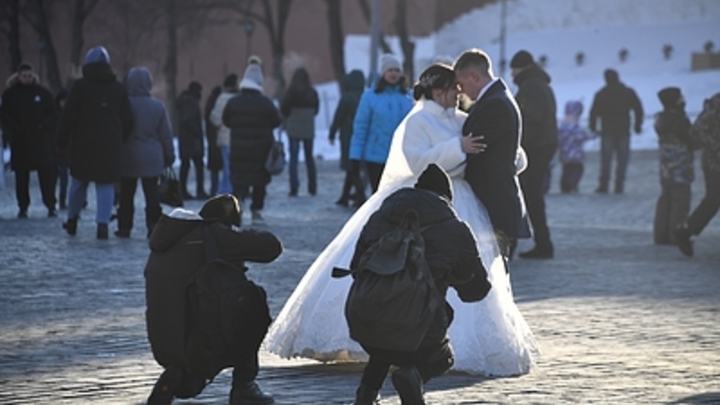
<point x="365" y="8"/>
<point x="10" y="13"/>
<point x="81" y="9"/>
<point x="37" y="16"/>
<point x="408" y="46"/>
<point x="336" y="36"/>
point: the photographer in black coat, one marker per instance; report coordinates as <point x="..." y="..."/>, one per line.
<point x="177" y="253"/>
<point x="452" y="256"/>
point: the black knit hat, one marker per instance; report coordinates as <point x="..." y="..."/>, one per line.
<point x="224" y="208"/>
<point x="521" y="59"/>
<point x="435" y="179"/>
<point x="670" y="97"/>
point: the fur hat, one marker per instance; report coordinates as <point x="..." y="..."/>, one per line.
<point x="670" y="97"/>
<point x="97" y="55"/>
<point x="435" y="179"/>
<point x="253" y="78"/>
<point x="224" y="208"/>
<point x="389" y="61"/>
<point x="521" y="59"/>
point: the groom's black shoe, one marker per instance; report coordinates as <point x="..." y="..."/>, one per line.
<point x="539" y="252"/>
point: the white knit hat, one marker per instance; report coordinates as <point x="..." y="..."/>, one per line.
<point x="253" y="78"/>
<point x="389" y="61"/>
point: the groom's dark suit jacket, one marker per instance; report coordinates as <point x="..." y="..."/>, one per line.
<point x="491" y="173"/>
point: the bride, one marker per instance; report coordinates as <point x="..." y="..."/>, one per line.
<point x="489" y="337"/>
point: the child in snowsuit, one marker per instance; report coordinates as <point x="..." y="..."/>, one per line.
<point x="572" y="156"/>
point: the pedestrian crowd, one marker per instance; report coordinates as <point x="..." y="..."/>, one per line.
<point x="451" y="191"/>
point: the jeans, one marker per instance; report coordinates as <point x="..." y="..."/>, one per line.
<point x="225" y="186"/>
<point x="709" y="205"/>
<point x="46" y="178"/>
<point x="104" y="193"/>
<point x="307" y="145"/>
<point x="609" y="145"/>
<point x="126" y="211"/>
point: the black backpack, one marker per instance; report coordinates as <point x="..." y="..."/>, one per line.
<point x="393" y="299"/>
<point x="227" y="314"/>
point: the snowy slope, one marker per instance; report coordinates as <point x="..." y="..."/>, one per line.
<point x="561" y="28"/>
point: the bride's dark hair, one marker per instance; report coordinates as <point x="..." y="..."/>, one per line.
<point x="436" y="76"/>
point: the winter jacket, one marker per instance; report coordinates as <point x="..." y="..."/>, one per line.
<point x="216" y="116"/>
<point x="215" y="162"/>
<point x="251" y="118"/>
<point x="150" y="148"/>
<point x="190" y="131"/>
<point x="705" y="132"/>
<point x="676" y="149"/>
<point x="571" y="137"/>
<point x="375" y="121"/>
<point x="176" y="253"/>
<point x="450" y="249"/>
<point x="352" y="89"/>
<point x="612" y="106"/>
<point x="97" y="118"/>
<point x="29" y="121"/>
<point x="536" y="101"/>
<point x="299" y="109"/>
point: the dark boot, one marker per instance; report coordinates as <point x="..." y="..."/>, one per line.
<point x="601" y="190"/>
<point x="162" y="393"/>
<point x="682" y="236"/>
<point x="70" y="226"/>
<point x="540" y="251"/>
<point x="249" y="393"/>
<point x="409" y="385"/>
<point x="365" y="396"/>
<point x="102" y="231"/>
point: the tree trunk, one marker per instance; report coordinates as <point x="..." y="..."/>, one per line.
<point x="365" y="8"/>
<point x="337" y="52"/>
<point x="408" y="47"/>
<point x="81" y="10"/>
<point x="170" y="68"/>
<point x="277" y="41"/>
<point x="48" y="50"/>
<point x="14" y="39"/>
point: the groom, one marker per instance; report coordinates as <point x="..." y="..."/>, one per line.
<point x="492" y="173"/>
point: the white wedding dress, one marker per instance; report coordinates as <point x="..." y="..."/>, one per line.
<point x="489" y="337"/>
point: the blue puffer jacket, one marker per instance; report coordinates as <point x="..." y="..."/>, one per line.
<point x="375" y="121"/>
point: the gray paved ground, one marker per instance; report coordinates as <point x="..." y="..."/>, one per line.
<point x="618" y="320"/>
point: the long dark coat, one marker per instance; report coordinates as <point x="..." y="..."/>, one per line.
<point x="190" y="132"/>
<point x="353" y="85"/>
<point x="176" y="253"/>
<point x="97" y="118"/>
<point x="251" y="118"/>
<point x="492" y="174"/>
<point x="29" y="119"/>
<point x="450" y="249"/>
<point x="536" y="101"/>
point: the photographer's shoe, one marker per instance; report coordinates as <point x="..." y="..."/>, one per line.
<point x="249" y="393"/>
<point x="409" y="385"/>
<point x="162" y="393"/>
<point x="365" y="396"/>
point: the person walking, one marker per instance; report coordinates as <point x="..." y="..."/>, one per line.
<point x="611" y="107"/>
<point x="536" y="101"/>
<point x="96" y="120"/>
<point x="353" y="85"/>
<point x="299" y="107"/>
<point x="214" y="155"/>
<point x="177" y="253"/>
<point x="190" y="135"/>
<point x="62" y="158"/>
<point x="572" y="136"/>
<point x="493" y="174"/>
<point x="381" y="109"/>
<point x="145" y="154"/>
<point x="230" y="90"/>
<point x="251" y="117"/>
<point x="705" y="132"/>
<point x="29" y="121"/>
<point x="676" y="166"/>
<point x="453" y="261"/>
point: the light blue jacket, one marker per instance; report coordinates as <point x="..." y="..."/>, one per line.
<point x="375" y="121"/>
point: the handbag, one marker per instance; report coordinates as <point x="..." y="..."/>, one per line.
<point x="275" y="161"/>
<point x="169" y="189"/>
